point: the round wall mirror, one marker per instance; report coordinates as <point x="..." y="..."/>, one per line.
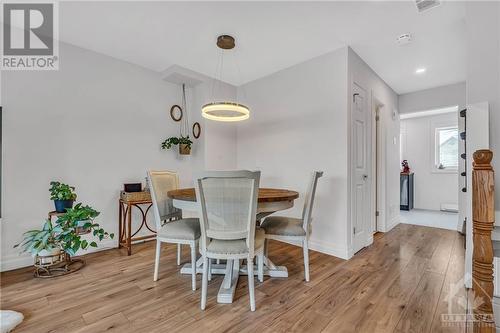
<point x="196" y="130"/>
<point x="176" y="113"/>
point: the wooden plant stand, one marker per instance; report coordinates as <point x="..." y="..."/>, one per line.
<point x="56" y="265"/>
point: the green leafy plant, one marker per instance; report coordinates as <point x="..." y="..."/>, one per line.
<point x="70" y="222"/>
<point x="174" y="141"/>
<point x="61" y="191"/>
<point x="36" y="241"/>
<point x="64" y="234"/>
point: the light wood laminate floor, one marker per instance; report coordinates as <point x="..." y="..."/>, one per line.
<point x="399" y="284"/>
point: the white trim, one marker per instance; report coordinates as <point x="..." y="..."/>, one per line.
<point x="392" y="223"/>
<point x="323" y="247"/>
<point x="427" y="113"/>
<point x="17" y="260"/>
<point x="328" y="248"/>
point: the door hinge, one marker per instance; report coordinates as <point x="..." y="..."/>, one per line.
<point x="377" y="213"/>
<point x="354" y="230"/>
<point x="377" y="118"/>
<point x="354" y="97"/>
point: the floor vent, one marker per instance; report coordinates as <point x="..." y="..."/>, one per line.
<point x="424" y="5"/>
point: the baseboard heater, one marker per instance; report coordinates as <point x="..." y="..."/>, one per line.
<point x="448" y="207"/>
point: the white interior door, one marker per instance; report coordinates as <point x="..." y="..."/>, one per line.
<point x="360" y="194"/>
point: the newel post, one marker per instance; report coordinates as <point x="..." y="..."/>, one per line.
<point x="483" y="216"/>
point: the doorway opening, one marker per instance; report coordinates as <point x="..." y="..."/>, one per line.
<point x="429" y="185"/>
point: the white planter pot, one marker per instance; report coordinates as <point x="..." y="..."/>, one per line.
<point x="52" y="253"/>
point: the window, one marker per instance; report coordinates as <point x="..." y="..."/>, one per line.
<point x="446" y="148"/>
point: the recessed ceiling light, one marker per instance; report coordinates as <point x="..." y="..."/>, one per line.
<point x="420" y="70"/>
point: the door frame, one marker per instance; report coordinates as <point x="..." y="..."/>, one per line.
<point x="377" y="166"/>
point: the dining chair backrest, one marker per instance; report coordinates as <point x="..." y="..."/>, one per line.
<point x="228" y="205"/>
<point x="160" y="182"/>
<point x="309" y="200"/>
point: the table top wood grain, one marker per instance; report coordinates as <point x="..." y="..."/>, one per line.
<point x="265" y="194"/>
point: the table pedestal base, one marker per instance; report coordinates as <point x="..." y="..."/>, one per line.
<point x="231" y="271"/>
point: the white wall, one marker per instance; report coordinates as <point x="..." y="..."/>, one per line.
<point x="482" y="20"/>
<point x="96" y="123"/>
<point x="380" y="93"/>
<point x="483" y="66"/>
<point x="433" y="98"/>
<point x="432" y="188"/>
<point x="219" y="137"/>
<point x="298" y="125"/>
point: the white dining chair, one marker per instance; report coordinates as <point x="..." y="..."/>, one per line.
<point x="295" y="230"/>
<point x="170" y="226"/>
<point x="228" y="205"/>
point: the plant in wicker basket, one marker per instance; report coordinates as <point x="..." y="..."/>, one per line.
<point x="184" y="143"/>
<point x="72" y="222"/>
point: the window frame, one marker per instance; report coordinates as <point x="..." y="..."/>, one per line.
<point x="436" y="149"/>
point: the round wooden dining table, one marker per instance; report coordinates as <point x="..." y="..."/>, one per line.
<point x="270" y="200"/>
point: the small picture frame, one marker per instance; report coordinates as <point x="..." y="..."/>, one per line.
<point x="196" y="130"/>
<point x="176" y="113"/>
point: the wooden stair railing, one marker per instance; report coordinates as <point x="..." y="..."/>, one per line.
<point x="483" y="216"/>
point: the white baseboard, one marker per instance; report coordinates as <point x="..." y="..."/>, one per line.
<point x="20" y="260"/>
<point x="392" y="223"/>
<point x="323" y="247"/>
<point x="327" y="248"/>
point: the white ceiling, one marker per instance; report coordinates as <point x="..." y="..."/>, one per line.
<point x="274" y="35"/>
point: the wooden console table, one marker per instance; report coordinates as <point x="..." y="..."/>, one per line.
<point x="140" y="200"/>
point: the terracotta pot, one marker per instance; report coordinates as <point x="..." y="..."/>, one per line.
<point x="184" y="149"/>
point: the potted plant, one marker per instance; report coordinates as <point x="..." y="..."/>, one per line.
<point x="71" y="225"/>
<point x="43" y="243"/>
<point x="78" y="217"/>
<point x="65" y="235"/>
<point x="63" y="196"/>
<point x="184" y="143"/>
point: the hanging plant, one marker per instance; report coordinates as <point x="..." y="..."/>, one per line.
<point x="183" y="142"/>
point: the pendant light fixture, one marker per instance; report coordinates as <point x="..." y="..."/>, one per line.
<point x="224" y="110"/>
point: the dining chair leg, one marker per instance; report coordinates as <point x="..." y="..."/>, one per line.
<point x="193" y="266"/>
<point x="157" y="260"/>
<point x="306" y="259"/>
<point x="209" y="269"/>
<point x="251" y="287"/>
<point x="204" y="283"/>
<point x="179" y="249"/>
<point x="266" y="247"/>
<point x="260" y="267"/>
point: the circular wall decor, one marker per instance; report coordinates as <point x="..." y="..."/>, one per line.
<point x="196" y="130"/>
<point x="176" y="113"/>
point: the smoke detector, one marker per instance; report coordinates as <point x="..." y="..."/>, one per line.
<point x="423" y="5"/>
<point x="404" y="39"/>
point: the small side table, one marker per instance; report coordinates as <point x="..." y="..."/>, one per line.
<point x="142" y="201"/>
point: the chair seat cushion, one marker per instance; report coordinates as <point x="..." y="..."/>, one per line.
<point x="283" y="226"/>
<point x="183" y="229"/>
<point x="232" y="247"/>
